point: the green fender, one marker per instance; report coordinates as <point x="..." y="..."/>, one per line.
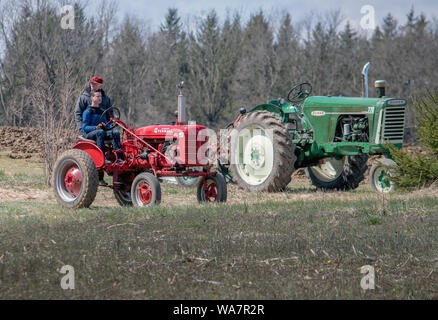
<point x="271" y="108"/>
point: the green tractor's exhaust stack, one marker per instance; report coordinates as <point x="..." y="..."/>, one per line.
<point x="331" y="137"/>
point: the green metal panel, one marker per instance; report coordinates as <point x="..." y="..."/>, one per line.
<point x="269" y="107"/>
<point x="323" y="113"/>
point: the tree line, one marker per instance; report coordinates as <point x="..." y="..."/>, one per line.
<point x="224" y="64"/>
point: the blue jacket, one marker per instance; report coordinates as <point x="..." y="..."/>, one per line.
<point x="84" y="101"/>
<point x="90" y="119"/>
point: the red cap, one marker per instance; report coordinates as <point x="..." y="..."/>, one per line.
<point x="96" y="80"/>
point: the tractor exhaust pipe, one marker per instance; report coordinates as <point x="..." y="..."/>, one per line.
<point x="365" y="79"/>
<point x="181" y="104"/>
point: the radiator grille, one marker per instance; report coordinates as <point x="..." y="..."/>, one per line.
<point x="393" y="124"/>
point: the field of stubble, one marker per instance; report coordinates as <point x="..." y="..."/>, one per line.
<point x="300" y="244"/>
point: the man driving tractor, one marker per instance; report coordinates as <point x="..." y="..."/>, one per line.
<point x="96" y="83"/>
<point x="94" y="127"/>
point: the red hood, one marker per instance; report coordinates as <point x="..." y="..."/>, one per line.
<point x="167" y="131"/>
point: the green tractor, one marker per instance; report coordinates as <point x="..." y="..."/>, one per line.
<point x="332" y="137"/>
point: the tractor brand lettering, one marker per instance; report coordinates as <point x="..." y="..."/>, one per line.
<point x="318" y="113"/>
<point x="165" y="130"/>
<point x="396" y="102"/>
<point x="371" y="109"/>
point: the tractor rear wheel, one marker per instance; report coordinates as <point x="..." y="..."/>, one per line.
<point x="343" y="174"/>
<point x="263" y="155"/>
<point x="75" y="179"/>
<point x="145" y="190"/>
<point x="212" y="189"/>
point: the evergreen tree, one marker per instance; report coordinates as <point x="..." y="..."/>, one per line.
<point x="256" y="75"/>
<point x="421" y="169"/>
<point x="286" y="57"/>
<point x="127" y="68"/>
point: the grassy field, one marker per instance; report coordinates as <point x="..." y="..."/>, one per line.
<point x="301" y="244"/>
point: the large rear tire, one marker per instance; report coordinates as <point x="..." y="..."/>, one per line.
<point x="344" y="174"/>
<point x="263" y="155"/>
<point x="75" y="179"/>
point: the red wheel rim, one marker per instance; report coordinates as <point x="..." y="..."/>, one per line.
<point x="211" y="192"/>
<point x="73" y="180"/>
<point x="145" y="193"/>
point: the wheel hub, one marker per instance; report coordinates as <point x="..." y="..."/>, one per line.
<point x="382" y="180"/>
<point x="257" y="156"/>
<point x="255" y="159"/>
<point x="145" y="193"/>
<point x="211" y="192"/>
<point x="73" y="181"/>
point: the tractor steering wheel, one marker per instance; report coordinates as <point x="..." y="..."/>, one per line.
<point x="299" y="92"/>
<point x="116" y="116"/>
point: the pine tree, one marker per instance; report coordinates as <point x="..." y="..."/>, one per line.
<point x="286" y="56"/>
<point x="127" y="68"/>
<point x="421" y="169"/>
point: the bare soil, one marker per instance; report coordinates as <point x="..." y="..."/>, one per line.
<point x="21" y="142"/>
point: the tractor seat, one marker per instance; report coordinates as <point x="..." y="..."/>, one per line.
<point x="81" y="138"/>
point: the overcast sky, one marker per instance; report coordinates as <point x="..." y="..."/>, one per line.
<point x="153" y="12"/>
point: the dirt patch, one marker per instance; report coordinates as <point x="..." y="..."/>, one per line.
<point x="24" y="142"/>
<point x="8" y="195"/>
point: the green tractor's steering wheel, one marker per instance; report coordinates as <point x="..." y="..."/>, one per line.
<point x="115" y="116"/>
<point x="299" y="92"/>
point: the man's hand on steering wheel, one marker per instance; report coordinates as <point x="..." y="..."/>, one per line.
<point x="299" y="92"/>
<point x="101" y="126"/>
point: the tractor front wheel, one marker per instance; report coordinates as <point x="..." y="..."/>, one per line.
<point x="123" y="198"/>
<point x="212" y="189"/>
<point x="338" y="174"/>
<point x="145" y="190"/>
<point x="380" y="176"/>
<point x="75" y="179"/>
<point x="123" y="193"/>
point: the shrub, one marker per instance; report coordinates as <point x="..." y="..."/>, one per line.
<point x="420" y="169"/>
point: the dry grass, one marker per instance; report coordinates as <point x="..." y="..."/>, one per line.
<point x="301" y="244"/>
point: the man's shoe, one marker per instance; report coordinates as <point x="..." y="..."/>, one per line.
<point x="102" y="183"/>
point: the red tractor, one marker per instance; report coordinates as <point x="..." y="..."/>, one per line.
<point x="150" y="153"/>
